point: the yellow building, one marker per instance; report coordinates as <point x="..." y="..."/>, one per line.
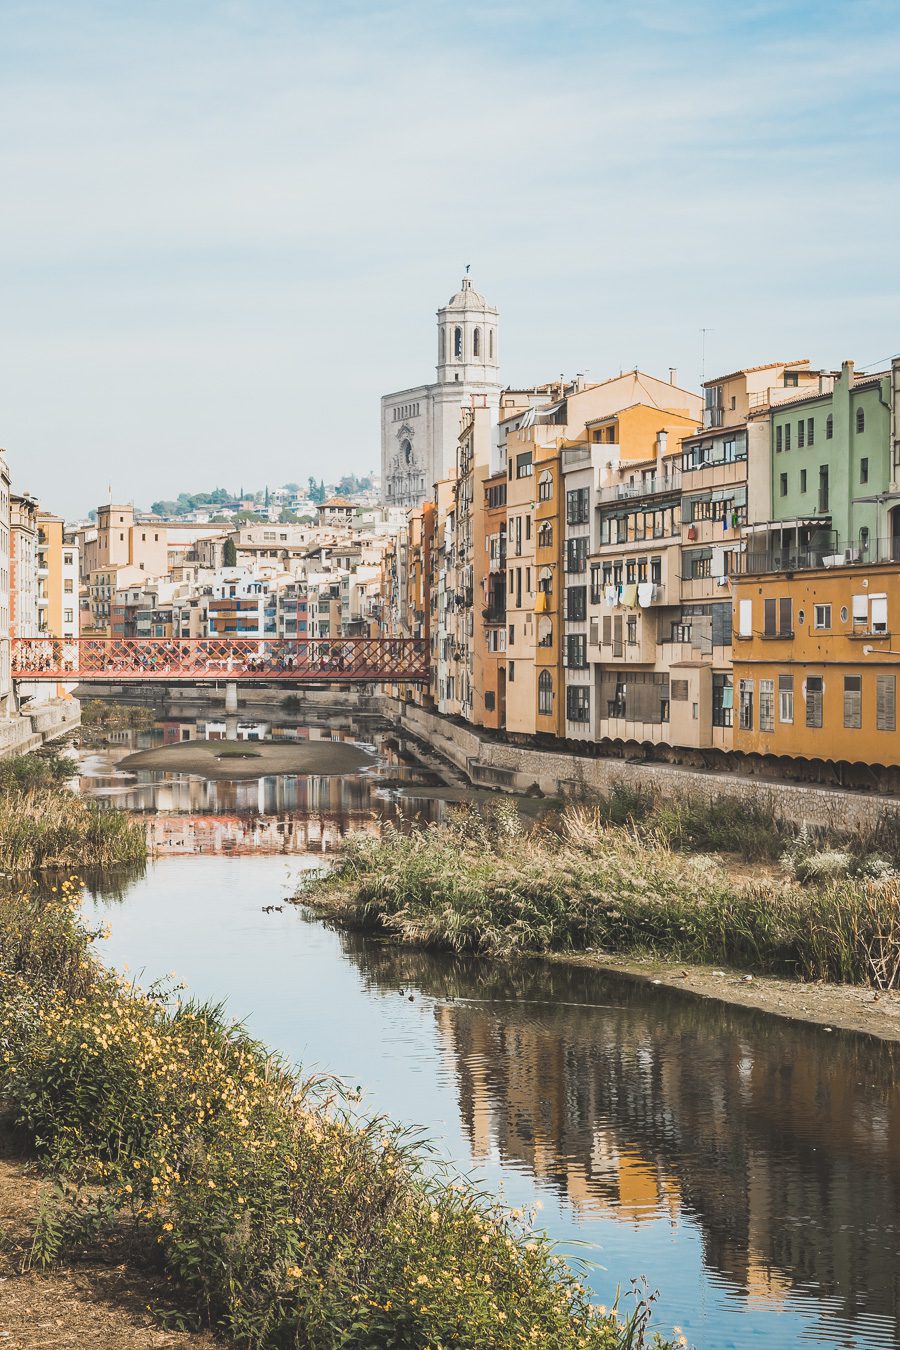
<point x="816" y="665"/>
<point x="57" y="577"/>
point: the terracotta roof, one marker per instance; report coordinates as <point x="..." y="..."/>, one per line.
<point x="338" y="502"/>
<point x="751" y="370"/>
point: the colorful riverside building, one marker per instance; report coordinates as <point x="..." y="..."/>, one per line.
<point x="814" y="662"/>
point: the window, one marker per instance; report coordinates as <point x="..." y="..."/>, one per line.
<point x="577" y="506"/>
<point x="823" y="487"/>
<point x="576" y="603"/>
<point x="745" y="690"/>
<point x="822" y="617"/>
<point x="656" y="571"/>
<point x="68" y="616"/>
<point x="489" y="700"/>
<point x="491" y="344"/>
<point x="778" y="439"/>
<point x="810" y="431"/>
<point x="860" y="611"/>
<point x="457" y="343"/>
<point x="68" y="586"/>
<point x="745" y="618"/>
<point x="778" y="617"/>
<point x="545" y="486"/>
<point x="545" y="693"/>
<point x="576" y="554"/>
<point x="829" y="427"/>
<point x="511" y="671"/>
<point x="596" y="584"/>
<point x="814" y="693"/>
<point x="801" y="434"/>
<point x="853" y="702"/>
<point x="787" y="435"/>
<point x="524" y="466"/>
<point x="864" y="470"/>
<point x="785" y="698"/>
<point x="607" y="630"/>
<point x="578" y="703"/>
<point x="476" y="342"/>
<point x="791" y="379"/>
<point x="722" y="700"/>
<point x="528" y="527"/>
<point x="782" y="484"/>
<point x="631" y="630"/>
<point x="879" y="615"/>
<point x="767" y="705"/>
<point x="576" y="651"/>
<point x="802" y="480"/>
<point x="545" y="534"/>
<point x="886" y="703"/>
<point x="860" y="419"/>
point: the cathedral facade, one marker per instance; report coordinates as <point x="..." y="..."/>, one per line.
<point x="420" y="426"/>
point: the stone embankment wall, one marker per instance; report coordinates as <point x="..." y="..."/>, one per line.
<point x="490" y="763"/>
<point x="36" y="725"/>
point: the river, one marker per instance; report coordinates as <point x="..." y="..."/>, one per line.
<point x="748" y="1166"/>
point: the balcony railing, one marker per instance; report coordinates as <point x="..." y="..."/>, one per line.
<point x="653" y="486"/>
<point x="828" y="554"/>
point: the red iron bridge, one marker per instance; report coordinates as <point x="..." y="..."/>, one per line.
<point x="350" y="660"/>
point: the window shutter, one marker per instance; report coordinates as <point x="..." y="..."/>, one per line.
<point x="785" y="616"/>
<point x="617" y="635"/>
<point x="607" y="630"/>
<point x="860" y="609"/>
<point x="679" y="691"/>
<point x="886" y="703"/>
<point x="595" y="633"/>
<point x="879" y="614"/>
<point x="770" y="616"/>
<point x="852" y="702"/>
<point x="745" y="618"/>
<point x="814" y="701"/>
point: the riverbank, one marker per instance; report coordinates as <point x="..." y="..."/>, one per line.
<point x="278" y="1216"/>
<point x="101" y="1301"/>
<point x="647" y="895"/>
<point x="837" y="1007"/>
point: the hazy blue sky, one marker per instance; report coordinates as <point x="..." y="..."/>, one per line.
<point x="226" y="226"/>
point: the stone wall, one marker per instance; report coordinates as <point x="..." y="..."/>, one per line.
<point x="36" y="725"/>
<point x="490" y="763"/>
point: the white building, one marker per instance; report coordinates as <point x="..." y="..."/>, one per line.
<point x="420" y="426"/>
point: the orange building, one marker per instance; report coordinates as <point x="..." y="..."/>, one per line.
<point x="815" y="666"/>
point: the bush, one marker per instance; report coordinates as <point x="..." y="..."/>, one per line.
<point x="282" y="1219"/>
<point x="474" y="885"/>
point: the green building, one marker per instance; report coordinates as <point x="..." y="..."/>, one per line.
<point x="830" y="464"/>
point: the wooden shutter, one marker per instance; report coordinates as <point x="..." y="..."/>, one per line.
<point x="814" y="701"/>
<point x="886" y="703"/>
<point x="679" y="691"/>
<point x="785" y="616"/>
<point x="618" y="647"/>
<point x="853" y="701"/>
<point x="607" y="630"/>
<point x="770" y="617"/>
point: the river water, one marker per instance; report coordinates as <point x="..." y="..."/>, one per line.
<point x="748" y="1166"/>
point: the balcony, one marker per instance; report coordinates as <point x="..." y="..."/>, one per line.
<point x="827" y="554"/>
<point x="654" y="486"/>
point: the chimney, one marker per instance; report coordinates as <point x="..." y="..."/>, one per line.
<point x="672" y="374"/>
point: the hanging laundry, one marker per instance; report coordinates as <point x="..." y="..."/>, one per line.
<point x="717" y="566"/>
<point x="728" y="696"/>
<point x="612" y="596"/>
<point x="629" y="596"/>
<point x="645" y="593"/>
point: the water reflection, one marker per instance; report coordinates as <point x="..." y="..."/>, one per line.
<point x="281" y="813"/>
<point x="782" y="1142"/>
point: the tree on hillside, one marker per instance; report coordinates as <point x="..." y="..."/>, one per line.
<point x="229" y="553"/>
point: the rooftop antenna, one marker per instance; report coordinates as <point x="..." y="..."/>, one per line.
<point x="703" y="333"/>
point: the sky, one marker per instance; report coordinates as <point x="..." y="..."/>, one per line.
<point x="226" y="225"/>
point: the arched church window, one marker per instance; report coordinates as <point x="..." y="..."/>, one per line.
<point x="443" y="344"/>
<point x="476" y="342"/>
<point x="406" y="451"/>
<point x="491" y="344"/>
<point x="457" y="343"/>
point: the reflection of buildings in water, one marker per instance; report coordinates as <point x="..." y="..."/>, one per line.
<point x="185" y="834"/>
<point x="783" y="1143"/>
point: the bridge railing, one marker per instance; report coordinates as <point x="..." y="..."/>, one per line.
<point x="115" y="659"/>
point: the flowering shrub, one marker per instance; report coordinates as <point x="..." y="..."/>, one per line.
<point x="281" y="1220"/>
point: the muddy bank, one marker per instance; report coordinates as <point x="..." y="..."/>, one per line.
<point x="236" y="760"/>
<point x="844" y="1007"/>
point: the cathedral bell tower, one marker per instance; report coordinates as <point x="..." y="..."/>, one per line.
<point x="468" y="339"/>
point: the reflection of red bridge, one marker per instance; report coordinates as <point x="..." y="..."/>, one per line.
<point x="349" y="660"/>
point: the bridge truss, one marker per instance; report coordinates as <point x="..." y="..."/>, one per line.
<point x="350" y="660"/>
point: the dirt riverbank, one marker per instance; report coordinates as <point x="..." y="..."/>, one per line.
<point x="97" y="1302"/>
<point x="843" y="1007"/>
<point x="252" y="759"/>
